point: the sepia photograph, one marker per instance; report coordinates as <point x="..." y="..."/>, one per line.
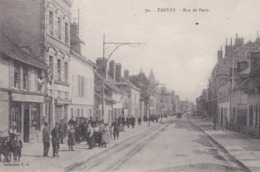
<point x="129" y="85"/>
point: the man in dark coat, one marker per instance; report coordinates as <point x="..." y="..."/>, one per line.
<point x="128" y="121"/>
<point x="116" y="129"/>
<point x="55" y="140"/>
<point x="45" y="139"/>
<point x="132" y="119"/>
<point x="139" y="120"/>
<point x="72" y="121"/>
<point x="61" y="130"/>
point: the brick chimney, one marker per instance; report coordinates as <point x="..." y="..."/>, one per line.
<point x="239" y="41"/>
<point x="220" y="54"/>
<point x="100" y="62"/>
<point x="111" y="70"/>
<point x="126" y="74"/>
<point x="118" y="72"/>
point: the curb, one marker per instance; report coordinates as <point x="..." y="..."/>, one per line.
<point x="223" y="148"/>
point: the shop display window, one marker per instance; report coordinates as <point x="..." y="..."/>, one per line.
<point x="35" y="116"/>
<point x="16" y="117"/>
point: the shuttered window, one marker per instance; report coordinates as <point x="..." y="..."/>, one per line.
<point x="66" y="32"/>
<point x="59" y="28"/>
<point x="11" y="74"/>
<point x="51" y="22"/>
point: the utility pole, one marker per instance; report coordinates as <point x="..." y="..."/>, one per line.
<point x="117" y="44"/>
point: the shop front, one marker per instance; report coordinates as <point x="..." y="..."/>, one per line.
<point x="26" y="116"/>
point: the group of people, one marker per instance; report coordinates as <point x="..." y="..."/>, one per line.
<point x="94" y="132"/>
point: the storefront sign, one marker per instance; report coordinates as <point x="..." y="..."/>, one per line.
<point x="62" y="101"/>
<point x="4" y="96"/>
<point x="27" y="98"/>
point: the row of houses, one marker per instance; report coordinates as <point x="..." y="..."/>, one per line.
<point x="232" y="97"/>
<point x="45" y="77"/>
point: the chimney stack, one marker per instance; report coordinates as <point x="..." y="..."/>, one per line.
<point x="111" y="70"/>
<point x="118" y="72"/>
<point x="126" y="74"/>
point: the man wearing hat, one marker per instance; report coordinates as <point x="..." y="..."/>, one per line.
<point x="72" y="121"/>
<point x="55" y="133"/>
<point x="45" y="139"/>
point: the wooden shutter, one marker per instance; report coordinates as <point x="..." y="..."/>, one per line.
<point x="63" y="30"/>
<point x="83" y="86"/>
<point x="76" y="85"/>
<point x="55" y="23"/>
<point x="11" y="74"/>
<point x="62" y="71"/>
<point x="30" y="79"/>
<point x="55" y="68"/>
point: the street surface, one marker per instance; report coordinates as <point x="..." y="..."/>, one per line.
<point x="170" y="146"/>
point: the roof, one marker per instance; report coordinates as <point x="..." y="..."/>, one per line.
<point x="83" y="58"/>
<point x="12" y="50"/>
<point x="131" y="84"/>
<point x="111" y="84"/>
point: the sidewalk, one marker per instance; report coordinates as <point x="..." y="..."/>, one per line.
<point x="33" y="160"/>
<point x="244" y="149"/>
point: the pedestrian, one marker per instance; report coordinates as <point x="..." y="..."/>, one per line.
<point x="132" y="121"/>
<point x="128" y="121"/>
<point x="90" y="137"/>
<point x="77" y="133"/>
<point x="17" y="152"/>
<point x="72" y="121"/>
<point x="55" y="140"/>
<point x="116" y="127"/>
<point x="139" y="120"/>
<point x="97" y="134"/>
<point x="61" y="130"/>
<point x="45" y="139"/>
<point x="71" y="138"/>
<point x="105" y="135"/>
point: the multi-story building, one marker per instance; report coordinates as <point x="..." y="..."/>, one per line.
<point x="81" y="79"/>
<point x="42" y="28"/>
<point x="23" y="91"/>
<point x="166" y="100"/>
<point x="202" y="103"/>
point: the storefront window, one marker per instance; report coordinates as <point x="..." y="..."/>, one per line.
<point x="15" y="119"/>
<point x="17" y="75"/>
<point x="35" y="118"/>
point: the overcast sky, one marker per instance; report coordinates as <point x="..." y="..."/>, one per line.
<point x="180" y="52"/>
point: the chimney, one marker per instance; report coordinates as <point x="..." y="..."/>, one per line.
<point x="126" y="74"/>
<point x="220" y="54"/>
<point x="118" y="72"/>
<point x="239" y="41"/>
<point x="100" y="62"/>
<point x="242" y="65"/>
<point x="111" y="70"/>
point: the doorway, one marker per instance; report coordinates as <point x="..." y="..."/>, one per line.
<point x="26" y="124"/>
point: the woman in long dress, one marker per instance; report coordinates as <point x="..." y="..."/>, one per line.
<point x="105" y="135"/>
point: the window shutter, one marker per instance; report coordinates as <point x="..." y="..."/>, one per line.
<point x="55" y="69"/>
<point x="76" y="85"/>
<point x="83" y="86"/>
<point x="30" y="79"/>
<point x="11" y="74"/>
<point x="55" y="23"/>
<point x="73" y="84"/>
<point x="62" y="71"/>
<point x="63" y="30"/>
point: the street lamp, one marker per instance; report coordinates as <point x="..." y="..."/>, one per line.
<point x="117" y="44"/>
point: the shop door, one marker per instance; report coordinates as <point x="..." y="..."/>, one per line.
<point x="58" y="113"/>
<point x="26" y="129"/>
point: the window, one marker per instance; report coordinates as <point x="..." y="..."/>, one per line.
<point x="78" y="113"/>
<point x="17" y="75"/>
<point x="51" y="66"/>
<point x="66" y="32"/>
<point x="58" y="69"/>
<point x="59" y="27"/>
<point x="66" y="72"/>
<point x="82" y="112"/>
<point x="16" y="117"/>
<point x="51" y="25"/>
<point x="25" y="78"/>
<point x="35" y="118"/>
